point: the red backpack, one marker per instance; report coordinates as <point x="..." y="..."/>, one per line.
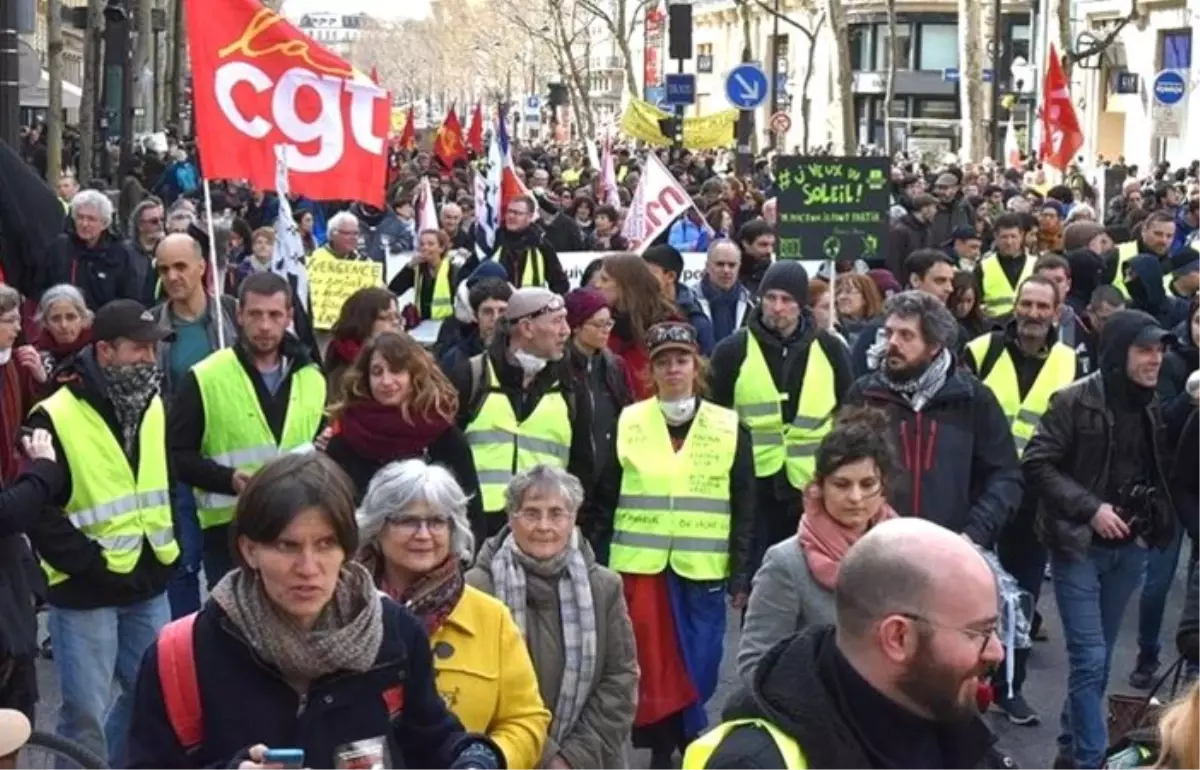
<point x="180" y="685"/>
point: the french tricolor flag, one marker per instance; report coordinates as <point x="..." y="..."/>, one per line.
<point x="496" y="187"/>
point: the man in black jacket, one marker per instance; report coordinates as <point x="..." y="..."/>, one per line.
<point x="1097" y="463"/>
<point x="90" y="257"/>
<point x="894" y="683"/>
<point x="526" y="256"/>
<point x="958" y="460"/>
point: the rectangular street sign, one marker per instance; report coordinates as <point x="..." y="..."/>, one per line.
<point x="681" y="88"/>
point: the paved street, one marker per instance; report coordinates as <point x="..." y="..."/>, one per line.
<point x="1045" y="688"/>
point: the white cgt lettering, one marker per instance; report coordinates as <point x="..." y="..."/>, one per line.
<point x="327" y="128"/>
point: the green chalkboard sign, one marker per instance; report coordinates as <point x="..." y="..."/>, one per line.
<point x="832" y="207"/>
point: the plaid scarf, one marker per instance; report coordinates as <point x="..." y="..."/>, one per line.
<point x="577" y="611"/>
<point x="921" y="389"/>
<point x="130" y="389"/>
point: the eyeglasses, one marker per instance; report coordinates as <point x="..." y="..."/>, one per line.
<point x="974" y="633"/>
<point x="532" y="517"/>
<point x="411" y="525"/>
<point x="604" y="326"/>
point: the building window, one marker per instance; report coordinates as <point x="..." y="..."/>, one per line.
<point x="939" y="47"/>
<point x="936" y="109"/>
<point x="883" y="47"/>
<point x="860" y="46"/>
<point x="1177" y="50"/>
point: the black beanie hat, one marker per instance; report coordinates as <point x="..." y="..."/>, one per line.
<point x="788" y="276"/>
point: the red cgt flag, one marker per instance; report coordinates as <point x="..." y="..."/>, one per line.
<point x="448" y="145"/>
<point x="1061" y="135"/>
<point x="475" y="134"/>
<point x="259" y="83"/>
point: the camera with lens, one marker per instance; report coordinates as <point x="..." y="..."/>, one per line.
<point x="1136" y="501"/>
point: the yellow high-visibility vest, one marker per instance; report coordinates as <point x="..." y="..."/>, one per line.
<point x="701" y="750"/>
<point x="1024" y="413"/>
<point x="534" y="271"/>
<point x="999" y="296"/>
<point x="236" y="432"/>
<point x="674" y="507"/>
<point x="110" y="503"/>
<point x="759" y="404"/>
<point x="503" y="447"/>
<point x="441" y="304"/>
<point x="1125" y="252"/>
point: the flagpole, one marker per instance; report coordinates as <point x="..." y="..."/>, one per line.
<point x="212" y="261"/>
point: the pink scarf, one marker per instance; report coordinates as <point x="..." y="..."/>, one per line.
<point x="824" y="541"/>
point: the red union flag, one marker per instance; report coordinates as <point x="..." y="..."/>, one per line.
<point x="1061" y="135"/>
<point x="259" y="83"/>
<point x="658" y="201"/>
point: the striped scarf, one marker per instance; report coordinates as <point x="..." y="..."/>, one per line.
<point x="576" y="609"/>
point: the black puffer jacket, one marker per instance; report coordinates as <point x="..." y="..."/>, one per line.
<point x="102" y="272"/>
<point x="1067" y="463"/>
<point x="798" y="689"/>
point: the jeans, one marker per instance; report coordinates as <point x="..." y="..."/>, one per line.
<point x="1160" y="573"/>
<point x="184" y="589"/>
<point x="218" y="559"/>
<point x="1092" y="595"/>
<point x="93" y="649"/>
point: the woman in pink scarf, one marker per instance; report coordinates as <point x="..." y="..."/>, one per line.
<point x="794" y="587"/>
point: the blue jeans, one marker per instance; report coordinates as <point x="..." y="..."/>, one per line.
<point x="184" y="589"/>
<point x="1092" y="595"/>
<point x="1160" y="574"/>
<point x="93" y="649"/>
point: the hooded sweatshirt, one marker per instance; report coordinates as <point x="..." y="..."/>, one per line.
<point x="1148" y="293"/>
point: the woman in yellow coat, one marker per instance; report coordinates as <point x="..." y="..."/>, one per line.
<point x="415" y="535"/>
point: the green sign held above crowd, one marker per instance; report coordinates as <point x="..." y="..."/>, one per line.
<point x="832" y="207"/>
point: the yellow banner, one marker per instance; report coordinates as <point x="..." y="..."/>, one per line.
<point x="640" y="121"/>
<point x="332" y="281"/>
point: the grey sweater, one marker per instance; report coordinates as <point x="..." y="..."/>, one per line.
<point x="785" y="598"/>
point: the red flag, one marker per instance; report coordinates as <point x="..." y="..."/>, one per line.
<point x="374" y="75"/>
<point x="1061" y="135"/>
<point x="408" y="135"/>
<point x="475" y="135"/>
<point x="260" y="83"/>
<point x="448" y="145"/>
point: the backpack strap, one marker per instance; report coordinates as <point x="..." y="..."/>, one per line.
<point x="180" y="685"/>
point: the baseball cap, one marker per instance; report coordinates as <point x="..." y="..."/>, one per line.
<point x="14" y="731"/>
<point x="671" y="335"/>
<point x="1185" y="261"/>
<point x="532" y="302"/>
<point x="1153" y="334"/>
<point x="127" y="319"/>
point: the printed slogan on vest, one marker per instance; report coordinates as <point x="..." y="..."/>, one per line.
<point x="832" y="208"/>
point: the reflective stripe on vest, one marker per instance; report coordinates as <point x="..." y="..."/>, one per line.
<point x="1125" y="252"/>
<point x="441" y="304"/>
<point x="503" y="447"/>
<point x="109" y="504"/>
<point x="1023" y="415"/>
<point x="534" y="272"/>
<point x="999" y="295"/>
<point x="674" y="507"/>
<point x="699" y="751"/>
<point x="236" y="432"/>
<point x="760" y="408"/>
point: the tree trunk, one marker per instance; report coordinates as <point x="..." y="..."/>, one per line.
<point x="630" y="73"/>
<point x="54" y="68"/>
<point x="843" y="132"/>
<point x="970" y="82"/>
<point x="143" y="71"/>
<point x="178" y="64"/>
<point x="93" y="46"/>
<point x="161" y="71"/>
<point x="889" y="92"/>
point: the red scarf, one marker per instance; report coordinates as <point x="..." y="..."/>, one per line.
<point x="57" y="350"/>
<point x="346" y="350"/>
<point x="823" y="539"/>
<point x="380" y="433"/>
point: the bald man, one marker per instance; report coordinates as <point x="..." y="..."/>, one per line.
<point x="188" y="311"/>
<point x="894" y="683"/>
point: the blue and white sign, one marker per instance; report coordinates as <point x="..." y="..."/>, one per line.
<point x="533" y="105"/>
<point x="746" y="87"/>
<point x="681" y="88"/>
<point x="1169" y="109"/>
<point x="952" y="75"/>
<point x="657" y="95"/>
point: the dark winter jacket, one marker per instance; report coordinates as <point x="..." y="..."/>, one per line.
<point x="806" y="688"/>
<point x="1068" y="462"/>
<point x="21" y="505"/>
<point x="563" y="234"/>
<point x="601" y="379"/>
<point x="958" y="463"/>
<point x="102" y="273"/>
<point x="951" y="216"/>
<point x="59" y="542"/>
<point x="245" y="701"/>
<point x="691" y="309"/>
<point x="515" y="249"/>
<point x="907" y="235"/>
<point x="1147" y="292"/>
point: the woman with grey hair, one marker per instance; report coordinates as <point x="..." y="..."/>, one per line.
<point x="90" y="256"/>
<point x="572" y="614"/>
<point x="65" y="325"/>
<point x="415" y="537"/>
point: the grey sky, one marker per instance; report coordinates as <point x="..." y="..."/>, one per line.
<point x="384" y="9"/>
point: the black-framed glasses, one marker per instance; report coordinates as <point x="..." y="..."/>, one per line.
<point x="974" y="633"/>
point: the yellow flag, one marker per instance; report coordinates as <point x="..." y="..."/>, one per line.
<point x="640" y="121"/>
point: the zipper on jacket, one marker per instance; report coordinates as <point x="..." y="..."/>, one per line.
<point x="916" y="466"/>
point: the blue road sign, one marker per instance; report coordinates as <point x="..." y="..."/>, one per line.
<point x="746" y="87"/>
<point x="1169" y="88"/>
<point x="951" y="75"/>
<point x="657" y="95"/>
<point x="681" y="88"/>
